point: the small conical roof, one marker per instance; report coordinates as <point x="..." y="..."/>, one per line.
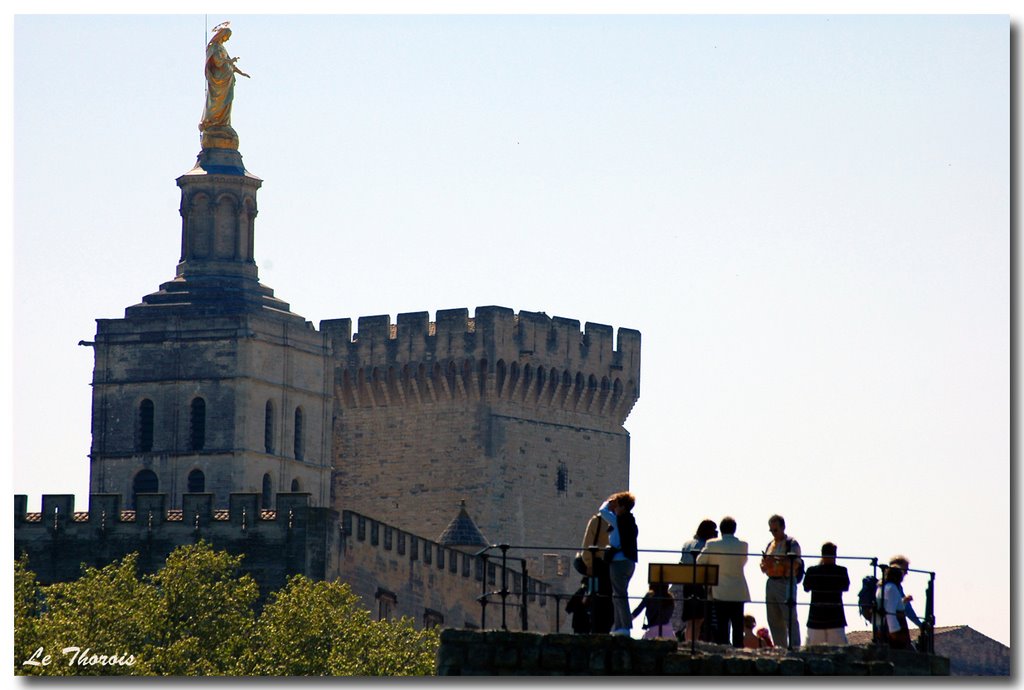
<point x="462" y="531"/>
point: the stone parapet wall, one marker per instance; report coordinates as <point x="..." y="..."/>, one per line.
<point x="422" y="578"/>
<point x="295" y="539"/>
<point x="528" y="358"/>
<point x="494" y="653"/>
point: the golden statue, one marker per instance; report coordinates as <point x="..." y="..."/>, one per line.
<point x="220" y="92"/>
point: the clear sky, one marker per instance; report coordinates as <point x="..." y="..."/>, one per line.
<point x="807" y="217"/>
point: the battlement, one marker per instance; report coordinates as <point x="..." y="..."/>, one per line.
<point x="295" y="539"/>
<point x="526" y="357"/>
<point x="58" y="510"/>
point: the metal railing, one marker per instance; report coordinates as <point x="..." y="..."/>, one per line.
<point x="926" y="640"/>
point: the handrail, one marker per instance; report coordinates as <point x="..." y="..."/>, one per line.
<point x="927" y="631"/>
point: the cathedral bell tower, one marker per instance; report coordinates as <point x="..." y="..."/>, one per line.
<point x="211" y="384"/>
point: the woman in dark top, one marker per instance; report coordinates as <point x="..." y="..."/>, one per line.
<point x="695" y="596"/>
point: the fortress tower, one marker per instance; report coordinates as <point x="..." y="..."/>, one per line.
<point x="211" y="384"/>
<point x="521" y="414"/>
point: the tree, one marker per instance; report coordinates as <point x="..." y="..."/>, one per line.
<point x="196" y="616"/>
<point x="27" y="609"/>
<point x="205" y="612"/>
<point x="103" y="623"/>
<point x="320" y="628"/>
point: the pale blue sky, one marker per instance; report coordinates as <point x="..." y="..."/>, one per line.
<point x="807" y="217"/>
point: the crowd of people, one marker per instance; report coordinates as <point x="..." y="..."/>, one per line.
<point x="713" y="599"/>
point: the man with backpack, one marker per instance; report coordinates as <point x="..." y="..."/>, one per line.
<point x="782" y="563"/>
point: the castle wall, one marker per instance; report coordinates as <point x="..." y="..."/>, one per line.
<point x="431" y="583"/>
<point x="296" y="539"/>
<point x="501" y="653"/>
<point x="418" y="578"/>
<point x="520" y="414"/>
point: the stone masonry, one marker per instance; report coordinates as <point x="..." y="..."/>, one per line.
<point x="500" y="653"/>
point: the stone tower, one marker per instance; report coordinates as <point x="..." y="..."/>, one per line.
<point x="211" y="384"/>
<point x="521" y="414"/>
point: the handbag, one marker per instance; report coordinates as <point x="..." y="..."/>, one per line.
<point x="578" y="562"/>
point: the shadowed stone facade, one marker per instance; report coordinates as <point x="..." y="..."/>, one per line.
<point x="500" y="653"/>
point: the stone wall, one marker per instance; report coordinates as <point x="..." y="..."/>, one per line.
<point x="294" y="539"/>
<point x="236" y="363"/>
<point x="493" y="653"/>
<point x="424" y="580"/>
<point x="414" y="576"/>
<point x="519" y="414"/>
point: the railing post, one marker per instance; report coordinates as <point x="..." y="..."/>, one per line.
<point x="483" y="593"/>
<point x="874" y="616"/>
<point x="526" y="577"/>
<point x="929" y="614"/>
<point x="504" y="583"/>
<point x="790" y="599"/>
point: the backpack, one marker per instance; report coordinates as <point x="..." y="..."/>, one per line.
<point x="798" y="572"/>
<point x="798" y="576"/>
<point x="866" y="596"/>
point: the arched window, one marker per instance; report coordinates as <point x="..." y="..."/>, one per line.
<point x="145" y="482"/>
<point x="196" y="482"/>
<point x="295" y="485"/>
<point x="197" y="426"/>
<point x="266" y="494"/>
<point x="268" y="428"/>
<point x="298" y="433"/>
<point x="145" y="426"/>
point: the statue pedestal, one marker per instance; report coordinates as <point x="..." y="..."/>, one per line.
<point x="219" y="137"/>
<point x="218" y="161"/>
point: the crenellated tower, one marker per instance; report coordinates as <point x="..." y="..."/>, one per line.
<point x="520" y="413"/>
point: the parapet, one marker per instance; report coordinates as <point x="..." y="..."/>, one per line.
<point x="105" y="510"/>
<point x="496" y="343"/>
<point x="293" y="539"/>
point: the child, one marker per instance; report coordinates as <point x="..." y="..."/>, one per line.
<point x="752" y="640"/>
<point x="578" y="607"/>
<point x="660" y="605"/>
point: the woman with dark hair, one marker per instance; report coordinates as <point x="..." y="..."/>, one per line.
<point x="659" y="606"/>
<point x="694" y="596"/>
<point x="893" y="607"/>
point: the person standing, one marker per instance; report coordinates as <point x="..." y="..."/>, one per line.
<point x="599" y="584"/>
<point x="731" y="592"/>
<point x="695" y="596"/>
<point x="896" y="604"/>
<point x="617" y="510"/>
<point x="826" y="620"/>
<point x="780" y="590"/>
<point x="892" y="608"/>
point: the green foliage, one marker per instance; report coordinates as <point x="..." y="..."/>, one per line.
<point x="206" y="612"/>
<point x="196" y="617"/>
<point x="108" y="611"/>
<point x="320" y="628"/>
<point x="27" y="601"/>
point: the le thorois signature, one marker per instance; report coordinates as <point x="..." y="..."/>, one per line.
<point x="76" y="656"/>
